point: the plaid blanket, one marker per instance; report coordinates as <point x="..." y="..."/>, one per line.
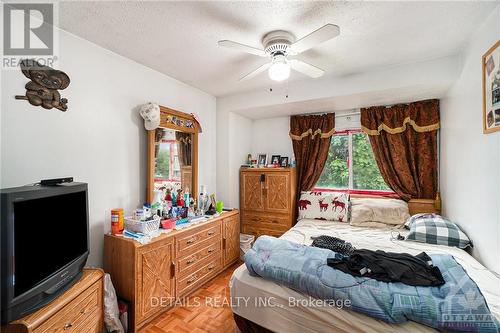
<point x="458" y="305"/>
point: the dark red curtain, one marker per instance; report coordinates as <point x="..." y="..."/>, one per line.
<point x="184" y="147"/>
<point x="404" y="142"/>
<point x="311" y="136"/>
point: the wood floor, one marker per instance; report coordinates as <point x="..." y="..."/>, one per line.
<point x="207" y="310"/>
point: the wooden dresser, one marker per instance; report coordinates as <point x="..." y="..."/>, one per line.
<point x="152" y="276"/>
<point x="78" y="310"/>
<point x="267" y="200"/>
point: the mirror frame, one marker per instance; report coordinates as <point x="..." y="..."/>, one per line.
<point x="169" y="119"/>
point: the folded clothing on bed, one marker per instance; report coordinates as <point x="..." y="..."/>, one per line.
<point x="458" y="305"/>
<point x="390" y="267"/>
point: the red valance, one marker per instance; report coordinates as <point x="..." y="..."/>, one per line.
<point x="422" y="116"/>
<point x="313" y="125"/>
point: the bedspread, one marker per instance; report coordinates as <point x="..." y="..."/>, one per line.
<point x="457" y="305"/>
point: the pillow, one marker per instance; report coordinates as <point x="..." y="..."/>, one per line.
<point x="415" y="217"/>
<point x="435" y="229"/>
<point x="330" y="206"/>
<point x="372" y="212"/>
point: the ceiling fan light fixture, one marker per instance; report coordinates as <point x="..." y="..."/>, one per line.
<point x="280" y="69"/>
<point x="278" y="45"/>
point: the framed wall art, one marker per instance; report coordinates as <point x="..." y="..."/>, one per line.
<point x="491" y="89"/>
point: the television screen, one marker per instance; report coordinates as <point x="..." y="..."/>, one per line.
<point x="50" y="233"/>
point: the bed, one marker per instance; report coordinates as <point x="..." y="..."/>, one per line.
<point x="258" y="303"/>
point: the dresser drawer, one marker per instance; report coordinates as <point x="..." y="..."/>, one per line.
<point x="269" y="227"/>
<point x="93" y="324"/>
<point x="76" y="315"/>
<point x="192" y="262"/>
<point x="189" y="243"/>
<point x="259" y="230"/>
<point x="194" y="280"/>
<point x="270" y="219"/>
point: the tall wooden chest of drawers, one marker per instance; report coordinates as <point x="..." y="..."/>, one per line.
<point x="267" y="200"/>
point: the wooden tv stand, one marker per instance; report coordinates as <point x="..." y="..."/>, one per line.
<point x="172" y="265"/>
<point x="78" y="310"/>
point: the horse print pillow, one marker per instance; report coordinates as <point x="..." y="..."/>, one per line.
<point x="329" y="206"/>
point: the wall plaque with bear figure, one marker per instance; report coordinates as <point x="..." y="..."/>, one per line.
<point x="43" y="88"/>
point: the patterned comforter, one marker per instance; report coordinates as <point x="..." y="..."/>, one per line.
<point x="458" y="305"/>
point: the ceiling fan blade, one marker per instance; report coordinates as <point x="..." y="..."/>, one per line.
<point x="317" y="37"/>
<point x="242" y="47"/>
<point x="255" y="72"/>
<point x="306" y="69"/>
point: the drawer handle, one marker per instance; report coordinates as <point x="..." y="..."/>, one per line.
<point x="191" y="241"/>
<point x="190" y="261"/>
<point x="210" y="250"/>
<point x="83" y="311"/>
<point x="211" y="267"/>
<point x="67" y="326"/>
<point x="211" y="233"/>
<point x="191" y="280"/>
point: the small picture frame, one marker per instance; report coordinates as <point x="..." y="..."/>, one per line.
<point x="275" y="160"/>
<point x="213" y="202"/>
<point x="284" y="161"/>
<point x="262" y="161"/>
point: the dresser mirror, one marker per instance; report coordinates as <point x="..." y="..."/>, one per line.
<point x="173" y="154"/>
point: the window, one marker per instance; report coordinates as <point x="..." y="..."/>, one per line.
<point x="360" y="176"/>
<point x="167" y="162"/>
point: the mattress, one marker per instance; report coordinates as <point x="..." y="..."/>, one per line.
<point x="282" y="309"/>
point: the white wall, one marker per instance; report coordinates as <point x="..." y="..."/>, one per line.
<point x="470" y="160"/>
<point x="241" y="135"/>
<point x="222" y="154"/>
<point x="234" y="137"/>
<point x="271" y="136"/>
<point x="100" y="139"/>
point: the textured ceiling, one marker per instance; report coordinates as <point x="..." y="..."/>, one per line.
<point x="180" y="38"/>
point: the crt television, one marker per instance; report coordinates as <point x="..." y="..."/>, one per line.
<point x="44" y="244"/>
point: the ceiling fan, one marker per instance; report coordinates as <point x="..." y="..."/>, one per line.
<point x="279" y="45"/>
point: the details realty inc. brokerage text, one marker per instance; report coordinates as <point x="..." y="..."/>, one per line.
<point x="241" y="301"/>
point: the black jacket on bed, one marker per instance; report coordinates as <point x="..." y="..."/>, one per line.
<point x="390" y="267"/>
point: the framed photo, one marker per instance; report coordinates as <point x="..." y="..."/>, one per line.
<point x="275" y="160"/>
<point x="284" y="161"/>
<point x="262" y="159"/>
<point x="491" y="89"/>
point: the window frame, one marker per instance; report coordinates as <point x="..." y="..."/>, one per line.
<point x="350" y="190"/>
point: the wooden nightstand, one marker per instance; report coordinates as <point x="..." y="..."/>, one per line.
<point x="79" y="309"/>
